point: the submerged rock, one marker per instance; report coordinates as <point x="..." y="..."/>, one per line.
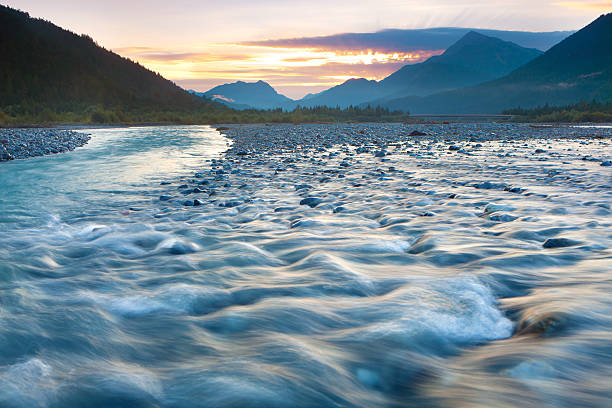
<point x="312" y="202"/>
<point x="487" y="185"/>
<point x="502" y="217"/>
<point x="559" y="243"/>
<point x="230" y="203"/>
<point x="493" y="207"/>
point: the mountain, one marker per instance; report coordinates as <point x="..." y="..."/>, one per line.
<point x="352" y="92"/>
<point x="578" y="68"/>
<point x="475" y="58"/>
<point x="242" y="95"/>
<point x="46" y="68"/>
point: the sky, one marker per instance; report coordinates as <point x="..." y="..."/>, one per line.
<point x="203" y="43"/>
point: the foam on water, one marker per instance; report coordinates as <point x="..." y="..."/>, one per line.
<point x="29" y="383"/>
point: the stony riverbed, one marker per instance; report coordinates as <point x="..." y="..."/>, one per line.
<point x="24" y="143"/>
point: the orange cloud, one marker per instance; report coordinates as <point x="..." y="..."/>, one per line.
<point x="297" y="71"/>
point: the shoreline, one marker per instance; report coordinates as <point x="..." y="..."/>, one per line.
<point x="24" y="143"/>
<point x="442" y="121"/>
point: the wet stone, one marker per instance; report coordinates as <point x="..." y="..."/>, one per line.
<point x="312" y="202"/>
<point x="559" y="243"/>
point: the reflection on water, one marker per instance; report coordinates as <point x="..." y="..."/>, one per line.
<point x="431" y="287"/>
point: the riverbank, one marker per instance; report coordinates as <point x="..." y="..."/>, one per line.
<point x="32" y="142"/>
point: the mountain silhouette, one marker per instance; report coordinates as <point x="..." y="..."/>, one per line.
<point x="242" y="95"/>
<point x="578" y="68"/>
<point x="474" y="59"/>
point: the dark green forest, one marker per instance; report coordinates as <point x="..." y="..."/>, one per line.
<point x="584" y="111"/>
<point x="51" y="75"/>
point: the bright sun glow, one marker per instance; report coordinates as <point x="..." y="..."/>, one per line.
<point x="296" y="68"/>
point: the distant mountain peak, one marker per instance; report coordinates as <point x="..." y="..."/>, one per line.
<point x="259" y="94"/>
<point x="356" y="80"/>
<point x="473" y="59"/>
<point x="472" y="34"/>
<point x="476" y="39"/>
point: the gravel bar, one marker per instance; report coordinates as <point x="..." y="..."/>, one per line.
<point x="249" y="140"/>
<point x="24" y="143"/>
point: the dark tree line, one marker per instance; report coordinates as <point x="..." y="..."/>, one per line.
<point x="583" y="111"/>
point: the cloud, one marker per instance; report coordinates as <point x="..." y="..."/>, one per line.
<point x="406" y="41"/>
<point x="157" y="54"/>
<point x="581" y="5"/>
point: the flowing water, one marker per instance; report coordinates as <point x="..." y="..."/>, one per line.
<point x="426" y="284"/>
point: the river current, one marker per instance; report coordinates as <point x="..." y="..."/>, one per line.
<point x="429" y="278"/>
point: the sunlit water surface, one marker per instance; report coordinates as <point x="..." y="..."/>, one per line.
<point x="424" y="291"/>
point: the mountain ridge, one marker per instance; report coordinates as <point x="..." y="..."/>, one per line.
<point x="475" y="58"/>
<point x="578" y="68"/>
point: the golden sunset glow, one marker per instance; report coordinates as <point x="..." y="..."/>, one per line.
<point x="290" y="68"/>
